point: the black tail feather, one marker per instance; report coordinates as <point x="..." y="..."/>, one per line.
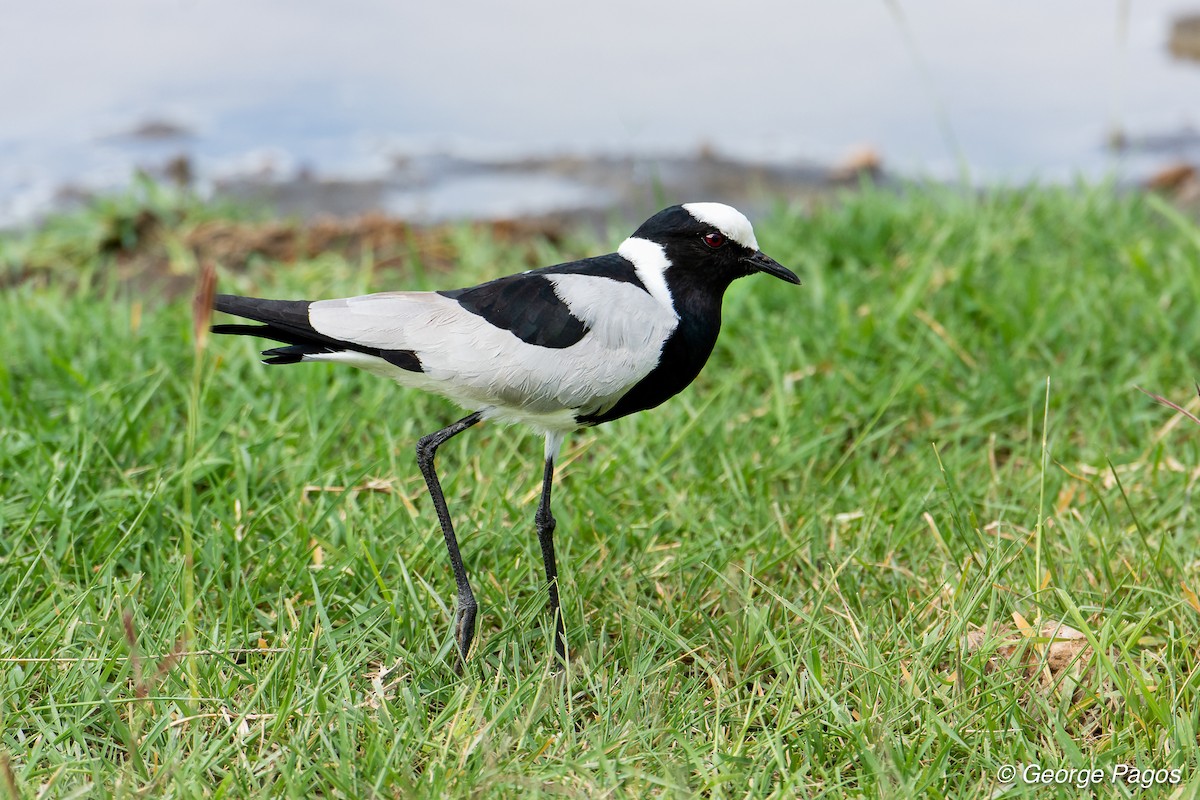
<point x="273" y="332"/>
<point x="286" y="321"/>
<point x="287" y="313"/>
<point x="292" y="355"/>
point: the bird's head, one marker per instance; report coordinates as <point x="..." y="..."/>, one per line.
<point x="702" y="243"/>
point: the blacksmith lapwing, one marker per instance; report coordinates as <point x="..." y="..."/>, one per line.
<point x="558" y="348"/>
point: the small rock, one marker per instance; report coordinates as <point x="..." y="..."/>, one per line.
<point x="1185" y="37"/>
<point x="156" y="130"/>
<point x="1175" y="179"/>
<point x="179" y="170"/>
<point x="861" y="162"/>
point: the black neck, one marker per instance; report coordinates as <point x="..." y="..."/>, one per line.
<point x="683" y="354"/>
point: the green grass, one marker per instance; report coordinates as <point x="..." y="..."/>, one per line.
<point x="768" y="582"/>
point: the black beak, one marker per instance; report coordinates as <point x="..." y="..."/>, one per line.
<point x="761" y="262"/>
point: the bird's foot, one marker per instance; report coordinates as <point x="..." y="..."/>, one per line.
<point x="560" y="639"/>
<point x="464" y="629"/>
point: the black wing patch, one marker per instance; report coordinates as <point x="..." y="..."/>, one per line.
<point x="526" y="306"/>
<point x="287" y="322"/>
<point x="614" y="267"/>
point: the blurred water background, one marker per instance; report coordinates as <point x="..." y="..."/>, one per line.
<point x="479" y="109"/>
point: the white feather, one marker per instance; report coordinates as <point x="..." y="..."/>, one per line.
<point x="727" y="219"/>
<point x="650" y="262"/>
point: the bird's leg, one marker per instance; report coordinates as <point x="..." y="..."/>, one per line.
<point x="545" y="531"/>
<point x="464" y="616"/>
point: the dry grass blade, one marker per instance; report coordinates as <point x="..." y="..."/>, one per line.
<point x="10" y="777"/>
<point x="134" y="661"/>
<point x="1158" y="398"/>
<point x="202" y="302"/>
<point x="66" y="660"/>
<point x="372" y="485"/>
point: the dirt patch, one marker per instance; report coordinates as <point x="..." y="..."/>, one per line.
<point x="386" y="241"/>
<point x="1050" y="664"/>
<point x="155" y="254"/>
<point x="1043" y="654"/>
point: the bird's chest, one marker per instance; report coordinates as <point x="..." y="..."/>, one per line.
<point x="680" y="358"/>
<point x="684" y="354"/>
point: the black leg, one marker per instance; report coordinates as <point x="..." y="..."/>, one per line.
<point x="464" y="616"/>
<point x="545" y="531"/>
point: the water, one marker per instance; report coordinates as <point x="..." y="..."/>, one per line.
<point x="269" y="90"/>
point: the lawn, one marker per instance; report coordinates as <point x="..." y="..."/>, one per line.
<point x="913" y="523"/>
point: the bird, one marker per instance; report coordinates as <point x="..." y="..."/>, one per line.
<point x="558" y="349"/>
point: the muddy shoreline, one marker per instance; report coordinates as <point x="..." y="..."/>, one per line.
<point x="431" y="190"/>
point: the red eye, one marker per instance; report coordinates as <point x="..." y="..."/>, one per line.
<point x="714" y="240"/>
